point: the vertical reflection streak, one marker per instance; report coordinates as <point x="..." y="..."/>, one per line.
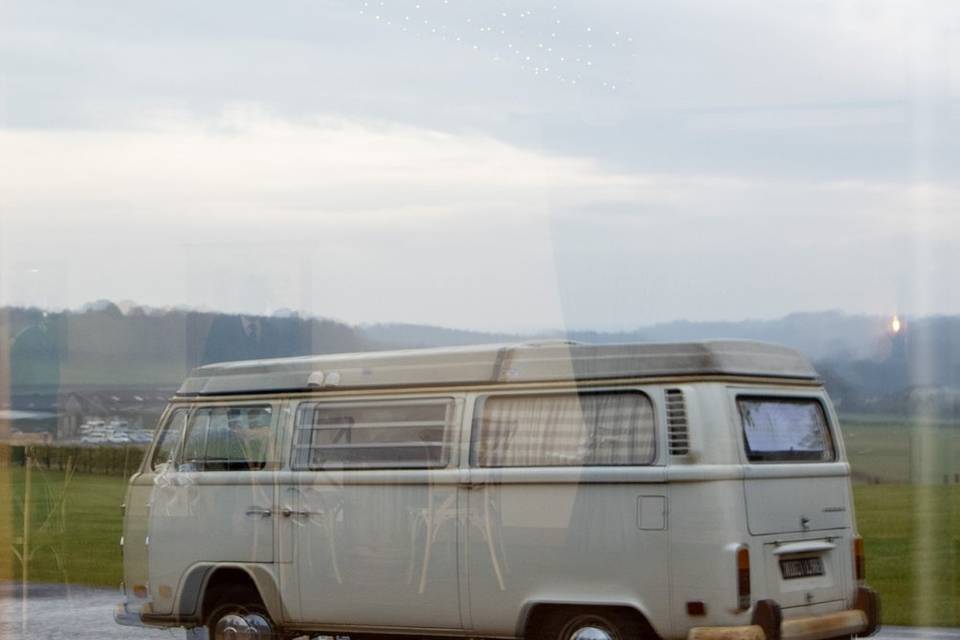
<point x="924" y="71"/>
<point x="6" y="480"/>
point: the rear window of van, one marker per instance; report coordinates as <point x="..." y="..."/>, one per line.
<point x="785" y="430"/>
<point x="568" y="429"/>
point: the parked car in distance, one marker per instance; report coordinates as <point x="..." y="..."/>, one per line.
<point x="555" y="490"/>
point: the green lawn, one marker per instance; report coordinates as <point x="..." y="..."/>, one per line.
<point x="912" y="539"/>
<point x="900" y="452"/>
<point x="911" y="520"/>
<point x="75" y="540"/>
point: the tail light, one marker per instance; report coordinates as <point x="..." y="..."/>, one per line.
<point x="743" y="578"/>
<point x="859" y="560"/>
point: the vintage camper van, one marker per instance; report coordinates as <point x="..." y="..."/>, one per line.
<point x="557" y="491"/>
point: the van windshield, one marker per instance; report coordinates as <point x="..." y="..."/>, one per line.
<point x="785" y="430"/>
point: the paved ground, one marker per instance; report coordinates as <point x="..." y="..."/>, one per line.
<point x="80" y="613"/>
<point x="54" y="612"/>
<point x="919" y="633"/>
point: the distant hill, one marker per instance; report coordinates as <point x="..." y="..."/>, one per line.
<point x="866" y="366"/>
<point x="818" y="335"/>
<point x="417" y="336"/>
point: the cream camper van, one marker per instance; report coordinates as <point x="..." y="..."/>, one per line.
<point x="557" y="491"/>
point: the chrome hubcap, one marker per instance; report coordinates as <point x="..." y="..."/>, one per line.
<point x="590" y="633"/>
<point x="250" y="626"/>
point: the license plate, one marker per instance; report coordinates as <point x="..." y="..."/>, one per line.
<point x="801" y="568"/>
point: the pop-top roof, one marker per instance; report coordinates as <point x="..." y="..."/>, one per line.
<point x="491" y="364"/>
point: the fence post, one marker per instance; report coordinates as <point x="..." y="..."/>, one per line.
<point x="25" y="564"/>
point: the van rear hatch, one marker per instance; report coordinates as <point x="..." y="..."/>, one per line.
<point x="797" y="504"/>
<point x="792" y="482"/>
<point x="797" y="498"/>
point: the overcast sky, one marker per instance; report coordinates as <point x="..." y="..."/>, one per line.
<point x="483" y="164"/>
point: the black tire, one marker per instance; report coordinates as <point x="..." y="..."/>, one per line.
<point x="563" y="624"/>
<point x="239" y="603"/>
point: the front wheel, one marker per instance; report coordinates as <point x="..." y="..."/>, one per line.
<point x="232" y="621"/>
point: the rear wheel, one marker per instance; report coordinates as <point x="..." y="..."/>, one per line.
<point x="587" y="624"/>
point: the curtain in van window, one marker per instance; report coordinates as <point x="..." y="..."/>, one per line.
<point x="566" y="430"/>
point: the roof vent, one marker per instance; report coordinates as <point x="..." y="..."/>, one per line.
<point x="678" y="435"/>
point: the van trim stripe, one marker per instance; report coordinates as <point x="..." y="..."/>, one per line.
<point x="567" y="384"/>
<point x="474" y="477"/>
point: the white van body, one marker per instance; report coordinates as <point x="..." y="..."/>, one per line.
<point x="543" y="490"/>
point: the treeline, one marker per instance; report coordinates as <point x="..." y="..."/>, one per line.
<point x="106" y="460"/>
<point x="103" y="346"/>
<point x="915" y="372"/>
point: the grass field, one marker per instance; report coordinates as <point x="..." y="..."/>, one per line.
<point x="912" y="539"/>
<point x="898" y="452"/>
<point x="75" y="540"/>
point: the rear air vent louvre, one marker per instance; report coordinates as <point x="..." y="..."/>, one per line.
<point x="678" y="435"/>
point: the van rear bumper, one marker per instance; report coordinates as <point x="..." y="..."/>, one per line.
<point x="768" y="623"/>
<point x="833" y="625"/>
<point x="139" y="615"/>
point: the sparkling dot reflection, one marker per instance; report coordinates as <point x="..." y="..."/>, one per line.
<point x="517" y="28"/>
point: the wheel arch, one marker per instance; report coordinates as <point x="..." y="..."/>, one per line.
<point x="202" y="581"/>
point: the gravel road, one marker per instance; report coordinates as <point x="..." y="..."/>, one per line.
<point x="81" y="613"/>
<point x="54" y="612"/>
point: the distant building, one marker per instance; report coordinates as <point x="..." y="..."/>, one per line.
<point x="137" y="406"/>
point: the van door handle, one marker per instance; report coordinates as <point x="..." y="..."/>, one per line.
<point x="259" y="512"/>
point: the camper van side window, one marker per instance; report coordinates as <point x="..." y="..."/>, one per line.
<point x="382" y="435"/>
<point x="585" y="429"/>
<point x="227" y="439"/>
<point x="785" y="430"/>
<point x="169" y="439"/>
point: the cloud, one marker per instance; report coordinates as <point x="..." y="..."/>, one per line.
<point x="370" y="221"/>
<point x="481" y="164"/>
<point x="246" y="160"/>
<point x="825" y="90"/>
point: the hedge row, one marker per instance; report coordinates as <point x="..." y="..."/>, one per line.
<point x="107" y="460"/>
